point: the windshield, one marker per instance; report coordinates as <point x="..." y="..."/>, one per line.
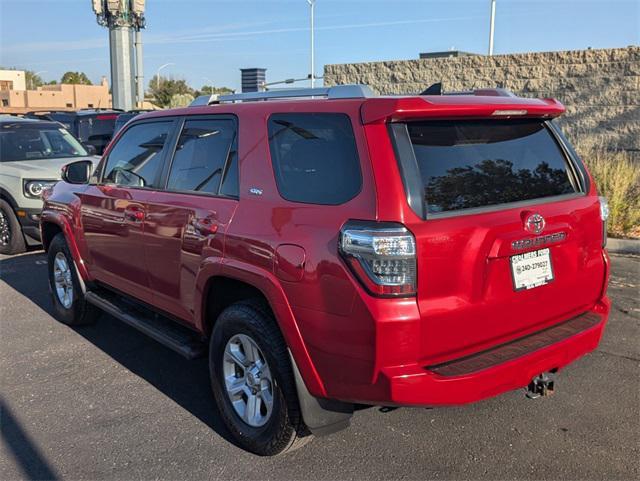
<point x="32" y="142"/>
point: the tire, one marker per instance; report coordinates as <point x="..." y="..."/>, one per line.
<point x="69" y="307"/>
<point x="11" y="237"/>
<point x="283" y="430"/>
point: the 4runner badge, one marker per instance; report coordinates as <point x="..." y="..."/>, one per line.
<point x="538" y="241"/>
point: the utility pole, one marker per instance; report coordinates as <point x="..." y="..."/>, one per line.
<point x="312" y="4"/>
<point x="492" y="26"/>
<point x="139" y="69"/>
<point x="123" y="18"/>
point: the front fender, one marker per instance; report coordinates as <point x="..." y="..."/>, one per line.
<point x="270" y="287"/>
<point x="61" y="220"/>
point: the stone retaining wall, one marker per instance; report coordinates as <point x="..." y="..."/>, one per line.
<point x="600" y="88"/>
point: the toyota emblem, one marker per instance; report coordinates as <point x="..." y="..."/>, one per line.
<point x="534" y="223"/>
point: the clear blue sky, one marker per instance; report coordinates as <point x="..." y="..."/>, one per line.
<point x="214" y="38"/>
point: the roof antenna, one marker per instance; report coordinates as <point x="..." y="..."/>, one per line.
<point x="435" y="89"/>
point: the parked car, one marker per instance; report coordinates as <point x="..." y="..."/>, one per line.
<point x="123" y="118"/>
<point x="32" y="153"/>
<point x="94" y="127"/>
<point x="339" y="250"/>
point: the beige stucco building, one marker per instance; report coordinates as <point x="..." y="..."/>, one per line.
<point x="15" y="98"/>
<point x="12" y="80"/>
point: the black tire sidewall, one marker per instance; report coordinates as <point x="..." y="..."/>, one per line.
<point x="16" y="243"/>
<point x="276" y="435"/>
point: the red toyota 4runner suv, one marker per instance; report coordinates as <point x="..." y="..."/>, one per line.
<point x="332" y="250"/>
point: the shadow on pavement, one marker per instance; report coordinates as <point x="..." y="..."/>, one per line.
<point x="186" y="382"/>
<point x="24" y="450"/>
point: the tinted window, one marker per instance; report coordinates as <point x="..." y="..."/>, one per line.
<point x="467" y="164"/>
<point x="230" y="181"/>
<point x="201" y="156"/>
<point x="136" y="160"/>
<point x="314" y="156"/>
<point x="31" y="141"/>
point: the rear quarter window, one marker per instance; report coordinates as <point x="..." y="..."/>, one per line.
<point x="314" y="156"/>
<point x="479" y="163"/>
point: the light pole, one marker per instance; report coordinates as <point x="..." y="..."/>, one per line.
<point x="158" y="74"/>
<point x="312" y="4"/>
<point x="492" y="26"/>
<point x="208" y="80"/>
<point x="35" y="75"/>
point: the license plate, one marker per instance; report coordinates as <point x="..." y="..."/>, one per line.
<point x="531" y="269"/>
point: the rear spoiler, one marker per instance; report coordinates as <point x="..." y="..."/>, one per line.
<point x="393" y="109"/>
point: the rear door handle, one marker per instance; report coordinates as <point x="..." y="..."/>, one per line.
<point x="205" y="226"/>
<point x="134" y="214"/>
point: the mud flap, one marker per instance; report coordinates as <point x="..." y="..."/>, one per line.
<point x="322" y="416"/>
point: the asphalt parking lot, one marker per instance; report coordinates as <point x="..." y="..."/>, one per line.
<point x="105" y="402"/>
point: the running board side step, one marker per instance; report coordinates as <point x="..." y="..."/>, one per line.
<point x="165" y="331"/>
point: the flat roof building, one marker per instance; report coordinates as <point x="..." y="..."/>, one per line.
<point x="12" y="80"/>
<point x="16" y="99"/>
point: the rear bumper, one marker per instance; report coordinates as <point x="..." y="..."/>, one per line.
<point x="416" y="385"/>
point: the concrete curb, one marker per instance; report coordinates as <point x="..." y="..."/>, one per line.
<point x="623" y="246"/>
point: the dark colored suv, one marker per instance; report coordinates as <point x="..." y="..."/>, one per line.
<point x="93" y="127"/>
<point x="125" y="117"/>
<point x="333" y="250"/>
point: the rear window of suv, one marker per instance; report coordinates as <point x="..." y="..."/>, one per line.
<point x="315" y="159"/>
<point x="479" y="163"/>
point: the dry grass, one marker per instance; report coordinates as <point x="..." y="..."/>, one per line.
<point x="617" y="176"/>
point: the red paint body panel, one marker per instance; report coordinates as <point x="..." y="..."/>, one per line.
<point x="175" y="246"/>
<point x="114" y="237"/>
<point x="348" y="344"/>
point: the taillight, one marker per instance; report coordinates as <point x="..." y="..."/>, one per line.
<point x="604" y="215"/>
<point x="382" y="255"/>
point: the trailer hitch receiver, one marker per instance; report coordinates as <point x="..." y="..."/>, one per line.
<point x="541" y="385"/>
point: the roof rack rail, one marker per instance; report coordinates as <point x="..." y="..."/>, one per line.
<point x="337" y="92"/>
<point x="436" y="89"/>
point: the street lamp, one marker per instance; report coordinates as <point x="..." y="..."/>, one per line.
<point x="158" y="74"/>
<point x="208" y="80"/>
<point x="492" y="26"/>
<point x="312" y="4"/>
<point x="35" y="75"/>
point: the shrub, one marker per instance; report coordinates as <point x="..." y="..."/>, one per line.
<point x="617" y="176"/>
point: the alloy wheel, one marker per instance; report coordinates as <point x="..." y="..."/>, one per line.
<point x="63" y="281"/>
<point x="248" y="380"/>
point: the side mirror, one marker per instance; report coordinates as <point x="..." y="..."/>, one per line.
<point x="91" y="149"/>
<point x="77" y="172"/>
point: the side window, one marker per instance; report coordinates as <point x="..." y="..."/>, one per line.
<point x="205" y="158"/>
<point x="136" y="160"/>
<point x="315" y="159"/>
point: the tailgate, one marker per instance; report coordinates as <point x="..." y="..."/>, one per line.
<point x="466" y="294"/>
<point x="493" y="191"/>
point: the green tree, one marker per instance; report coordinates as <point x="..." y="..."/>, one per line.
<point x="180" y="100"/>
<point x="163" y="90"/>
<point x="211" y="90"/>
<point x="75" y="78"/>
<point x="32" y="80"/>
